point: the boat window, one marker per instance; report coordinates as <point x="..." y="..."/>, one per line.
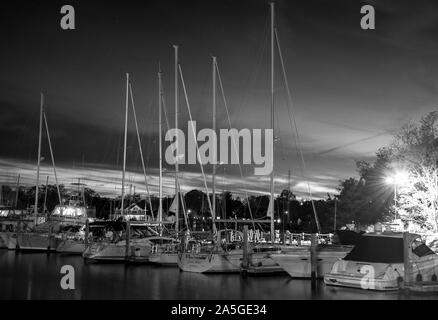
<point x="422" y="250"/>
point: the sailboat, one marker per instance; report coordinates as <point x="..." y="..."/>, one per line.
<point x="165" y="248"/>
<point x="40" y="237"/>
<point x="295" y="260"/>
<point x="124" y="239"/>
<point x="219" y="257"/>
<point x="263" y="257"/>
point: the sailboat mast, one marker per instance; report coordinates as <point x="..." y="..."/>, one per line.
<point x="124" y="145"/>
<point x="271" y="203"/>
<point x="39" y="159"/>
<point x="214" y="147"/>
<point x="45" y="195"/>
<point x="177" y="142"/>
<point x="17" y="190"/>
<point x="160" y="206"/>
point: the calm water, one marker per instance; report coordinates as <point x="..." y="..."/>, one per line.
<point x="37" y="276"/>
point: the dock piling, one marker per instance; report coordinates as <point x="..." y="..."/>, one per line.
<point x="313" y="261"/>
<point x="245" y="260"/>
<point x="128" y="239"/>
<point x="87" y="233"/>
<point x="49" y="238"/>
<point x="406" y="259"/>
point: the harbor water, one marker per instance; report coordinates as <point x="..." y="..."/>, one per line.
<point x="38" y="276"/>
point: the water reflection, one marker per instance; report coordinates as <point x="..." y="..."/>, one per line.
<point x="37" y="276"/>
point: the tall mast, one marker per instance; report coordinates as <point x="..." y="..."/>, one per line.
<point x="52" y="157"/>
<point x="214" y="147"/>
<point x="177" y="142"/>
<point x="160" y="206"/>
<point x="271" y="203"/>
<point x="17" y="190"/>
<point x="124" y="145"/>
<point x="39" y="159"/>
<point x="45" y="195"/>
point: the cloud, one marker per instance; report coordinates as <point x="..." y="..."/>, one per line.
<point x="107" y="182"/>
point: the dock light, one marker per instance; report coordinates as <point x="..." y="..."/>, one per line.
<point x="278" y="220"/>
<point x="398" y="179"/>
<point x="389" y="180"/>
<point x="189" y="211"/>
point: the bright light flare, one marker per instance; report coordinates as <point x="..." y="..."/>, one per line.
<point x="400" y="178"/>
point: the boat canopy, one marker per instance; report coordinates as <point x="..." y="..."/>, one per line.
<point x="383" y="249"/>
<point x="69" y="211"/>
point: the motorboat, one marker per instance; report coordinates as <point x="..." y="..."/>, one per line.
<point x="377" y="263"/>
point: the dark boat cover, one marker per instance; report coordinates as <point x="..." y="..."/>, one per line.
<point x="383" y="250"/>
<point x="377" y="249"/>
<point x="349" y="237"/>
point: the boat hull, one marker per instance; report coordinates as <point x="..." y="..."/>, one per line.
<point x="71" y="246"/>
<point x="9" y="239"/>
<point x="36" y="242"/>
<point x="210" y="263"/>
<point x="117" y="251"/>
<point x="360" y="282"/>
<point x="378" y="276"/>
<point x="298" y="265"/>
<point x="167" y="259"/>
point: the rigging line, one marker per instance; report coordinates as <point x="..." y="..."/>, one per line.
<point x="179" y="185"/>
<point x="197" y="147"/>
<point x="232" y="137"/>
<point x="141" y="151"/>
<point x="164" y="108"/>
<point x="297" y="136"/>
<point x="149" y="142"/>
<point x="261" y="52"/>
<point x="279" y="135"/>
<point x="183" y="204"/>
<point x="51" y="155"/>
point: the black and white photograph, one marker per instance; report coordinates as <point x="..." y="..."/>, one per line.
<point x="217" y="154"/>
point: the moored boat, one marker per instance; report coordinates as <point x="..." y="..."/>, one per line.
<point x="297" y="263"/>
<point x="210" y="259"/>
<point x="377" y="263"/>
<point x="108" y="241"/>
<point x="159" y="250"/>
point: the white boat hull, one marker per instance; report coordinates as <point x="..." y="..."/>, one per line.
<point x="170" y="259"/>
<point x="226" y="262"/>
<point x="71" y="246"/>
<point x="9" y="239"/>
<point x="298" y="265"/>
<point x="36" y="242"/>
<point x="116" y="251"/>
<point x="378" y="276"/>
<point x="209" y="263"/>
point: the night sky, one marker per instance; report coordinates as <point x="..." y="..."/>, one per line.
<point x="352" y="89"/>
